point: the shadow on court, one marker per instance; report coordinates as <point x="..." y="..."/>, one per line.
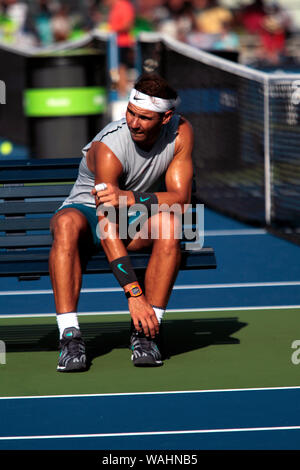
<point x="178" y="336"/>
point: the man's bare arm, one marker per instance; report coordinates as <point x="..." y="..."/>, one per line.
<point x="179" y="175"/>
<point x="108" y="169"/>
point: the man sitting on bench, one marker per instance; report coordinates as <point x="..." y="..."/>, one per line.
<point x="127" y="161"/>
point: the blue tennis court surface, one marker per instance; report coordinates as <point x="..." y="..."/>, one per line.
<point x="255" y="270"/>
<point x="235" y="419"/>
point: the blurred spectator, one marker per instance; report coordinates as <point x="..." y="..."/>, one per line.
<point x="13" y="23"/>
<point x="206" y="24"/>
<point x="121" y="20"/>
<point x="274" y="31"/>
<point x="61" y="23"/>
<point x="211" y="17"/>
<point x="142" y="24"/>
<point x="214" y="27"/>
<point x="98" y="15"/>
<point x="17" y="12"/>
<point x="252" y="16"/>
<point x="227" y="40"/>
<point x="43" y="23"/>
<point x="270" y="24"/>
<point x="175" y="18"/>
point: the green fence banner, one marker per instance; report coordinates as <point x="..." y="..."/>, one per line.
<point x="46" y="102"/>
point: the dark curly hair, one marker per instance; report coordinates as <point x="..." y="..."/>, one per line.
<point x="153" y="84"/>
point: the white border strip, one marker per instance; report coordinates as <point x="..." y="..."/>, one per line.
<point x="151" y="433"/>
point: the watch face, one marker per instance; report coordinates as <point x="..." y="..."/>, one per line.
<point x="135" y="291"/>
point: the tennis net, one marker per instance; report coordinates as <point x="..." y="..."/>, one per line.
<point x="247" y="131"/>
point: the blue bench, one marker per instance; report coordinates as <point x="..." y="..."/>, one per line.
<point x="30" y="192"/>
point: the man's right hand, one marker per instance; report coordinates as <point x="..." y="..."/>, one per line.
<point x="112" y="195"/>
<point x="143" y="316"/>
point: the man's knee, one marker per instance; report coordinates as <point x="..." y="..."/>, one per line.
<point x="166" y="227"/>
<point x="66" y="227"/>
<point x="163" y="228"/>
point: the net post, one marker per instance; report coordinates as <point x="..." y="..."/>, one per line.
<point x="113" y="63"/>
<point x="2" y="92"/>
<point x="267" y="157"/>
<point x="2" y="352"/>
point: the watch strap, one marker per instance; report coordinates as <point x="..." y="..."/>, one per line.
<point x="134" y="291"/>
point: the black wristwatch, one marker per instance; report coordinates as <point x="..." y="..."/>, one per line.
<point x="134" y="291"/>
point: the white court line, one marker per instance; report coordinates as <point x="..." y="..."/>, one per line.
<point x="95" y="290"/>
<point x="175" y="310"/>
<point x="169" y="392"/>
<point x="50" y="291"/>
<point x="151" y="433"/>
<point x="221" y="233"/>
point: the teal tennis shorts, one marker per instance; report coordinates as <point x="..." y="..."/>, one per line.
<point x="91" y="216"/>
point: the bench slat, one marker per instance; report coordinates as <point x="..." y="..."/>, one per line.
<point x="35" y="263"/>
<point x="26" y="254"/>
<point x="21" y="241"/>
<point x="54" y="170"/>
<point x="19" y="192"/>
<point x="19" y="176"/>
<point x="24" y="223"/>
<point x="26" y="241"/>
<point x="43" y="164"/>
<point x="21" y="207"/>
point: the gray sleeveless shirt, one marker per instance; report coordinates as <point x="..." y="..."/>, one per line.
<point x="142" y="171"/>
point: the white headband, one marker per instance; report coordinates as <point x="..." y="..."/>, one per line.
<point x="152" y="103"/>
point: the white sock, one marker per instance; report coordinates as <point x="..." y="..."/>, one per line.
<point x="66" y="320"/>
<point x="159" y="312"/>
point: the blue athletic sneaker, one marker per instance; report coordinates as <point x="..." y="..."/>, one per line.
<point x="145" y="352"/>
<point x="72" y="356"/>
